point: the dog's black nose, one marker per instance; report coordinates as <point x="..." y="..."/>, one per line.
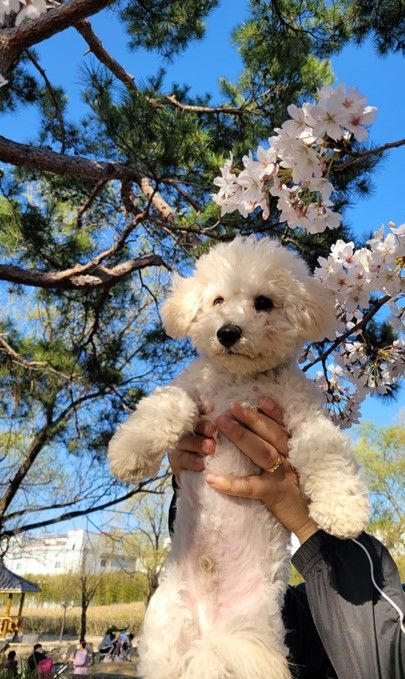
<point x="229" y="334"/>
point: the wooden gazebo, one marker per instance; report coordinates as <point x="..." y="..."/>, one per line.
<point x="12" y="584"/>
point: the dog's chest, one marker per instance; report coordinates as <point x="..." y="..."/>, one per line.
<point x="217" y="395"/>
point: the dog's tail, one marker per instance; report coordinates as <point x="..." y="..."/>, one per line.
<point x="238" y="651"/>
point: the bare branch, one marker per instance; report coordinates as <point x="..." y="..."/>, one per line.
<point x="40" y="440"/>
<point x="81" y="512"/>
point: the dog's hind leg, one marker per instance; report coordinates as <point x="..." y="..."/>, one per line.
<point x="238" y="651"/>
<point x="166" y="633"/>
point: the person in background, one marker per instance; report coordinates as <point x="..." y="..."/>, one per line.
<point x="36" y="656"/>
<point x="122" y="640"/>
<point x="9" y="667"/>
<point x="125" y="647"/>
<point x="81" y="659"/>
<point x="107" y="646"/>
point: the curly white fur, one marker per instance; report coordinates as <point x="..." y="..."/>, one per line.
<point x="216" y="614"/>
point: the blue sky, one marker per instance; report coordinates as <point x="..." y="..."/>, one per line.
<point x="381" y="80"/>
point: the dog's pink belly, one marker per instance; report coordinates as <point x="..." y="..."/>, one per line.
<point x="223" y="557"/>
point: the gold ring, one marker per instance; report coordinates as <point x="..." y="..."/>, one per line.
<point x="275" y="466"/>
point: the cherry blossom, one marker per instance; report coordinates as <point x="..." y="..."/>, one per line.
<point x="23" y="9"/>
<point x="295" y="167"/>
<point x="363" y="280"/>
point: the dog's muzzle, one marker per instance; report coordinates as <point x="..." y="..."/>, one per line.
<point x="229" y="334"/>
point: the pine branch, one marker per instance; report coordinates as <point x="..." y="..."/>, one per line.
<point x="70" y="279"/>
<point x="41" y="366"/>
<point x="229" y="110"/>
<point x="98" y="49"/>
<point x="89" y="201"/>
<point x="45" y="160"/>
<point x="53" y="96"/>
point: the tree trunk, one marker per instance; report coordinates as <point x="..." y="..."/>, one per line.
<point x="153" y="583"/>
<point x="83" y="616"/>
<point x="62" y="627"/>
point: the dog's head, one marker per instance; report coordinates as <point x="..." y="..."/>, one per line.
<point x="250" y="305"/>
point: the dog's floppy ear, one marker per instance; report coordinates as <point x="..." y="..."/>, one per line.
<point x="312" y="311"/>
<point x="181" y="307"/>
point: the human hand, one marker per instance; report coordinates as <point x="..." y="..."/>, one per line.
<point x="192" y="448"/>
<point x="261" y="436"/>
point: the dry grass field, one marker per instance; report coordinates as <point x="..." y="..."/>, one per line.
<point x="44" y="621"/>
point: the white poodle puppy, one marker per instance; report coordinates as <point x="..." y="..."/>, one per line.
<point x="248" y="309"/>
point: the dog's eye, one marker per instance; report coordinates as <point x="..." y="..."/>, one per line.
<point x="263" y="303"/>
<point x="217" y="300"/>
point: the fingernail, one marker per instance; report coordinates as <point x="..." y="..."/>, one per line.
<point x="210" y="429"/>
<point x="268" y="403"/>
<point x="208" y="446"/>
<point x="213" y="478"/>
<point x="237" y="408"/>
<point x="225" y="422"/>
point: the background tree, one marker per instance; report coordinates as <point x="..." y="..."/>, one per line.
<point x="153" y="537"/>
<point x="94" y="214"/>
<point x="144" y="534"/>
<point x="381" y="452"/>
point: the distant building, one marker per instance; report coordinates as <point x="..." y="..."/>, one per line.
<point x="73" y="552"/>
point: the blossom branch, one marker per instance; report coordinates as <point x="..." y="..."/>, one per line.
<point x="370" y="152"/>
<point x="361" y="324"/>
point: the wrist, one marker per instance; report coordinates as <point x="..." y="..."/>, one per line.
<point x="304" y="532"/>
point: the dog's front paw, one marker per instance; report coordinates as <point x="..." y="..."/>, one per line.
<point x="344" y="516"/>
<point x="132" y="454"/>
<point x="137" y="448"/>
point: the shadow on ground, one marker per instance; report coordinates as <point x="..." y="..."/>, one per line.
<point x="116" y="670"/>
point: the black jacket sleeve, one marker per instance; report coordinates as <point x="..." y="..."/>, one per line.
<point x="359" y="629"/>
